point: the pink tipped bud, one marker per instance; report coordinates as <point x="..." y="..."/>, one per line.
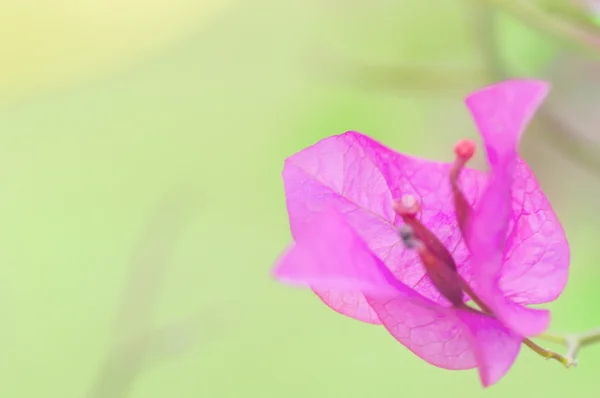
<point x="464" y="149"/>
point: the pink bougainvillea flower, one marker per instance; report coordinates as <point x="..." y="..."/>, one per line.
<point x="404" y="242"/>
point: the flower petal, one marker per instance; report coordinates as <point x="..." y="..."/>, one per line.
<point x="450" y="338"/>
<point x="501" y="113"/>
<point x="430" y="331"/>
<point x="360" y="177"/>
<point x="536" y="256"/>
<point x="328" y="254"/>
<point x="495" y="347"/>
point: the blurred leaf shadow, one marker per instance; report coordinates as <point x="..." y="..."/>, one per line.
<point x="566" y="122"/>
<point x="136" y="343"/>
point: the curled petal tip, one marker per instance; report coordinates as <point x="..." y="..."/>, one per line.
<point x="535" y="86"/>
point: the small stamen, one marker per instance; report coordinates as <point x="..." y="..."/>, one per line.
<point x="443" y="276"/>
<point x="407" y="205"/>
<point x="437" y="261"/>
<point x="464" y="150"/>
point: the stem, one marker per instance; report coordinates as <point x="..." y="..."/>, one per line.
<point x="566" y="360"/>
<point x="560" y="28"/>
<point x="485" y="20"/>
<point x="590" y="337"/>
<point x="134" y="335"/>
<point x="422" y="78"/>
<point x="573" y="342"/>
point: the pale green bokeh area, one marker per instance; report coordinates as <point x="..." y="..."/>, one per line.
<point x="217" y="110"/>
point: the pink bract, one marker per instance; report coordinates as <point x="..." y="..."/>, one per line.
<point x="340" y="195"/>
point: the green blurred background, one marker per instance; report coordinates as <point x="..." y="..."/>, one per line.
<point x="118" y="117"/>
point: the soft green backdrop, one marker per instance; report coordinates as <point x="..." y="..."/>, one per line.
<point x="104" y="110"/>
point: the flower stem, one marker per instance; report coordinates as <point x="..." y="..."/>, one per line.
<point x="549" y="354"/>
<point x="573" y="342"/>
<point x="560" y="28"/>
<point x="135" y="339"/>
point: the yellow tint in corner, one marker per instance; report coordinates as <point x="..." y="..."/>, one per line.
<point x="57" y="42"/>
